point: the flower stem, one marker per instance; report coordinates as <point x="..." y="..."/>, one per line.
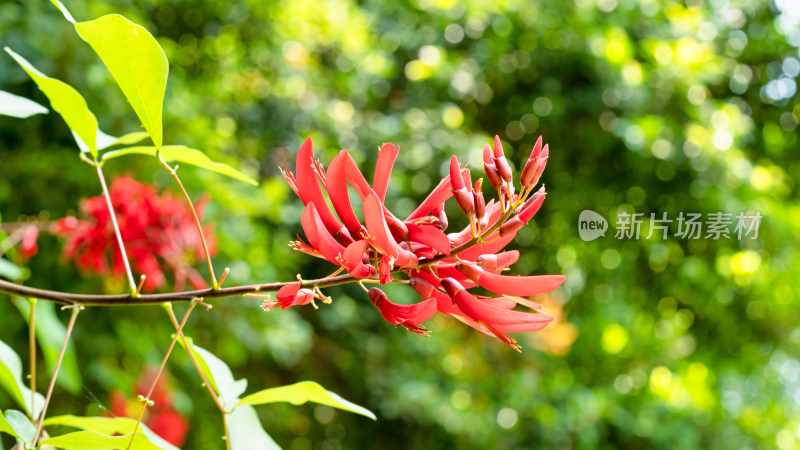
<point x="174" y="173"/>
<point x="146" y="401"/>
<point x="75" y="310"/>
<point x="200" y="372"/>
<point x="116" y="228"/>
<point x="32" y="351"/>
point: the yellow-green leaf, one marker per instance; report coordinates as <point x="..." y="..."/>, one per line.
<point x="19" y="107"/>
<point x="218" y="374"/>
<point x="18" y="425"/>
<point x="136" y="62"/>
<point x="183" y="154"/>
<point x="302" y="392"/>
<point x="109" y="426"/>
<point x="11" y="380"/>
<point x="63" y="10"/>
<point x="90" y="440"/>
<point x="66" y="101"/>
<point x="105" y="140"/>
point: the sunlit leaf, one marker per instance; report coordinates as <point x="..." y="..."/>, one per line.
<point x="90" y="440"/>
<point x="219" y="375"/>
<point x="109" y="426"/>
<point x="19" y="107"/>
<point x="183" y="154"/>
<point x="246" y="432"/>
<point x="136" y="62"/>
<point x="63" y="10"/>
<point x="18" y="425"/>
<point x="302" y="392"/>
<point x="50" y="333"/>
<point x="105" y="140"/>
<point x="9" y="270"/>
<point x="11" y="380"/>
<point x="66" y="101"/>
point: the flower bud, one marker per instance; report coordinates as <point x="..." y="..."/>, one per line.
<point x="421" y="287"/>
<point x="472" y="271"/>
<point x="452" y="287"/>
<point x="535" y="166"/>
<point x="442" y="223"/>
<point x="397" y="227"/>
<point x="500" y="161"/>
<point x="480" y="204"/>
<point x="490" y="168"/>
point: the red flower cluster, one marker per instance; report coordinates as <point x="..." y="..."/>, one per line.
<point x="440" y="267"/>
<point x="158" y="231"/>
<point x="161" y="418"/>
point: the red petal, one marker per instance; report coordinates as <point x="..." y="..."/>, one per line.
<point x="288" y="292"/>
<point x="430" y="236"/>
<point x="381" y="237"/>
<point x="512" y="285"/>
<point x="456" y="179"/>
<point x="308" y="187"/>
<point x="328" y="246"/>
<point x="383" y="169"/>
<point x="439" y="195"/>
<point x="337" y="191"/>
<point x="492" y="315"/>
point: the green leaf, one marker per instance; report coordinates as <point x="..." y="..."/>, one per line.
<point x="105" y="140"/>
<point x="219" y="375"/>
<point x="90" y="440"/>
<point x="9" y="270"/>
<point x="18" y="425"/>
<point x="109" y="426"/>
<point x="302" y="392"/>
<point x="246" y="432"/>
<point x="11" y="380"/>
<point x="63" y="10"/>
<point x="66" y="101"/>
<point x="19" y="107"/>
<point x="136" y="62"/>
<point x="184" y="154"/>
<point x="50" y="333"/>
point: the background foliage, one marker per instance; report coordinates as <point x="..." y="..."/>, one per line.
<point x="648" y="106"/>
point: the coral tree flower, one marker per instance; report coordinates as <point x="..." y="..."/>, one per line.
<point x="158" y="230"/>
<point x="441" y="268"/>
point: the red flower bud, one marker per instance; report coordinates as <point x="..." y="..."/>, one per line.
<point x="422" y="287"/>
<point x="28" y="244"/>
<point x="500" y="161"/>
<point x="452" y="287"/>
<point x="498" y="261"/>
<point x="480" y="204"/>
<point x="535" y="166"/>
<point x="397" y="227"/>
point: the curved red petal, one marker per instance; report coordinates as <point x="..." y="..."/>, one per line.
<point x="430" y="236"/>
<point x="383" y="169"/>
<point x="381" y="236"/>
<point x="328" y="246"/>
<point x="439" y="195"/>
<point x="337" y="191"/>
<point x="308" y="187"/>
<point x="520" y="285"/>
<point x="492" y="315"/>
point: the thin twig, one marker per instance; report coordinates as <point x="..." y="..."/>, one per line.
<point x="174" y="173"/>
<point x="32" y="352"/>
<point x="199" y="370"/>
<point x="116" y="228"/>
<point x="146" y="401"/>
<point x="75" y="310"/>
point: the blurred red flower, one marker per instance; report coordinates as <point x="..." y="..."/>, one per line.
<point x="158" y="230"/>
<point x="441" y="268"/>
<point x="161" y="418"/>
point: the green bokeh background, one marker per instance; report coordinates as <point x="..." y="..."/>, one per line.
<point x="653" y="107"/>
